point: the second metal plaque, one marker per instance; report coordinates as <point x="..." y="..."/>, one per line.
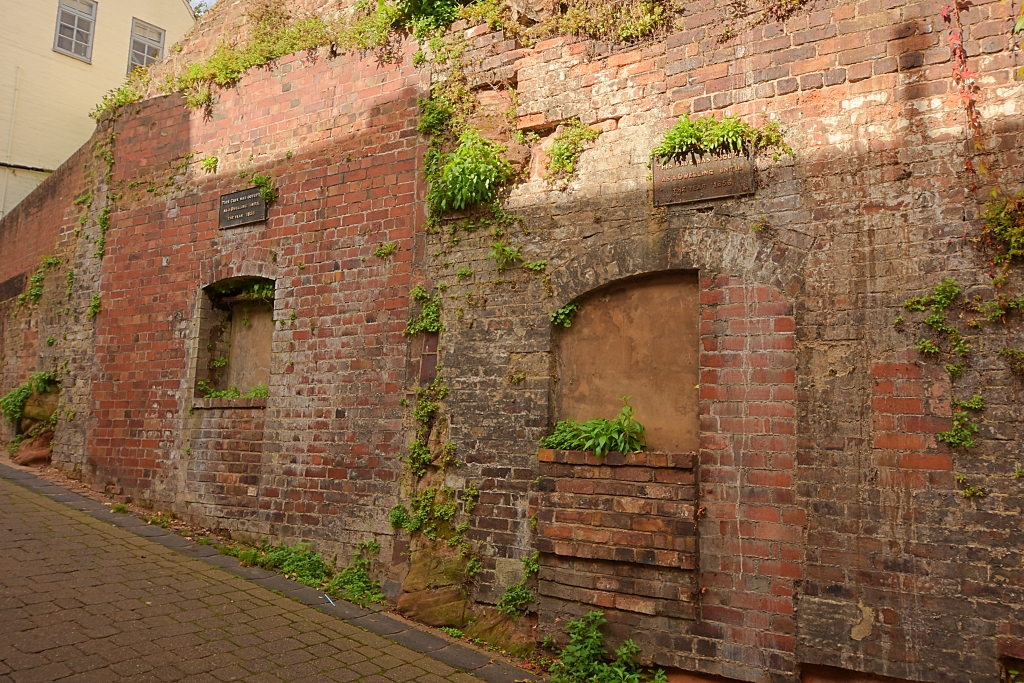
<point x="679" y="183"/>
<point x="242" y="208"/>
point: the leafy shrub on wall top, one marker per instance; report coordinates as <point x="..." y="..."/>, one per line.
<point x="619" y="21"/>
<point x="691" y="139"/>
<point x="133" y="90"/>
<point x="468" y="176"/>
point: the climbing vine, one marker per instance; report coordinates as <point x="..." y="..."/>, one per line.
<point x="1003" y="234"/>
<point x="35" y="281"/>
<point x="963" y="77"/>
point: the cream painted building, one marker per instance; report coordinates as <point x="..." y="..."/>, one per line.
<point x="57" y="59"/>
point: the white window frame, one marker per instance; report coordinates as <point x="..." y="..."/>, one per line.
<point x="61" y="8"/>
<point x="145" y="39"/>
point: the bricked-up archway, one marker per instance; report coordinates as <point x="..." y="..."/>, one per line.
<point x="677" y="547"/>
<point x="619" y="532"/>
<point x="223" y="458"/>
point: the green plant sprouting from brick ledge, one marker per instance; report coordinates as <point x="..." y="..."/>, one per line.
<point x="602" y="436"/>
<point x="429" y="317"/>
<point x="565" y="152"/>
<point x="13" y="403"/>
<point x="705" y="135"/>
<point x="517" y="596"/>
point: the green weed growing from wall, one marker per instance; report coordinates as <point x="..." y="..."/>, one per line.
<point x="565" y="152"/>
<point x="429" y="318"/>
<point x="13" y="403"/>
<point x="95" y="306"/>
<point x="517" y="596"/>
<point x="694" y="138"/>
<point x="386" y="250"/>
<point x="468" y="176"/>
<point x="622" y="435"/>
<point x="35" y="281"/>
<point x="584" y="659"/>
<point x="564" y="315"/>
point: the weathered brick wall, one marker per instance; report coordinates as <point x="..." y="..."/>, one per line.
<point x="341" y="150"/>
<point x="618" y="534"/>
<point x="223" y="464"/>
<point x="818" y="499"/>
<point x="55" y="334"/>
<point x="832" y="530"/>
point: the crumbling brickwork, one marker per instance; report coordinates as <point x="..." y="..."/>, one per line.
<point x="820" y="524"/>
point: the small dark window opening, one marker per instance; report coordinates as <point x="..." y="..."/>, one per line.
<point x="235" y="338"/>
<point x="428" y="358"/>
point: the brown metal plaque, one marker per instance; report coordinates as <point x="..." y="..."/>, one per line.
<point x="679" y="183"/>
<point x="242" y="208"/>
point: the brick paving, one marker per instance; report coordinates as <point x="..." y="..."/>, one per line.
<point x="84" y="600"/>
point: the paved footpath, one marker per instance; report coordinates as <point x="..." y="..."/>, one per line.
<point x="84" y="600"/>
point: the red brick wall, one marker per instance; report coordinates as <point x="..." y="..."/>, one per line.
<point x="832" y="529"/>
<point x="223" y="463"/>
<point x="338" y="350"/>
<point x="37" y="225"/>
<point x="751" y="529"/>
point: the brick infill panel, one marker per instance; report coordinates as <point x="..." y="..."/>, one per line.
<point x="618" y="531"/>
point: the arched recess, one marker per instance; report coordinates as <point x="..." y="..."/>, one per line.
<point x="236" y="330"/>
<point x="638" y="337"/>
<point x="224" y="428"/>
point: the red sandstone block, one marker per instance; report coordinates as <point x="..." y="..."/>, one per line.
<point x="896" y="370"/>
<point x="927" y="425"/>
<point x="899" y="406"/>
<point x="922" y="461"/>
<point x="900" y="441"/>
<point x="530" y="121"/>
